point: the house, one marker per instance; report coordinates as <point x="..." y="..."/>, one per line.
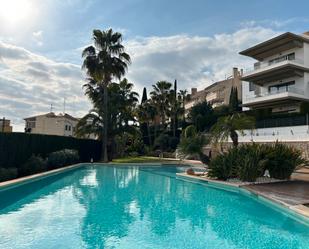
<point x="279" y="80"/>
<point x="5" y="125"/>
<point x="218" y="93"/>
<point x="51" y="124"/>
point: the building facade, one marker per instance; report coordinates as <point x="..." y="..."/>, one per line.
<point x="5" y="125"/>
<point x="51" y="124"/>
<point x="279" y="80"/>
<point x="218" y="93"/>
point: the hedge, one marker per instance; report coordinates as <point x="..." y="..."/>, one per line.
<point x="17" y="148"/>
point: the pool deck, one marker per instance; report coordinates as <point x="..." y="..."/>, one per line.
<point x="293" y="194"/>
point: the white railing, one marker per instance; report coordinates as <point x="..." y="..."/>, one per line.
<point x="288" y="89"/>
<point x="262" y="65"/>
<point x="289" y="133"/>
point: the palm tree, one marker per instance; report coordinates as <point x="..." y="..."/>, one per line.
<point x="229" y="125"/>
<point x="160" y="98"/>
<point x="193" y="143"/>
<point x="103" y="62"/>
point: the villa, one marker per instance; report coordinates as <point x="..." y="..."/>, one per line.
<point x="5" y="125"/>
<point x="51" y="124"/>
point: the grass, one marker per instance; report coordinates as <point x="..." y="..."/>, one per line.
<point x="143" y="159"/>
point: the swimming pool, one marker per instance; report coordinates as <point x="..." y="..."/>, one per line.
<point x="139" y="207"/>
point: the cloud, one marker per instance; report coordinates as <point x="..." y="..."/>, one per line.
<point x="37" y="37"/>
<point x="30" y="83"/>
<point x="194" y="61"/>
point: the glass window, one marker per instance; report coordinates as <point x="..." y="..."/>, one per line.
<point x="280" y="88"/>
<point x="251" y="86"/>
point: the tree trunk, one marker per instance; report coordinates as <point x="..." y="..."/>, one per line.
<point x="234" y="137"/>
<point x="149" y="135"/>
<point x="104" y="155"/>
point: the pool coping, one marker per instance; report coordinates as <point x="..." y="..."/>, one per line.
<point x="300" y="212"/>
<point x="35" y="177"/>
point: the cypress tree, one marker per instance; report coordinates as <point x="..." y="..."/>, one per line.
<point x="144" y="126"/>
<point x="234" y="103"/>
<point x="144" y="97"/>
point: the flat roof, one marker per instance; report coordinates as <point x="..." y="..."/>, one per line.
<point x="275" y="45"/>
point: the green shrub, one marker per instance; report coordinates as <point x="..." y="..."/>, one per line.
<point x="220" y="167"/>
<point x="173" y="142"/>
<point x="162" y="142"/>
<point x="62" y="157"/>
<point x="7" y="174"/>
<point x="34" y="164"/>
<point x="282" y="160"/>
<point x="248" y="162"/>
<point x="252" y="162"/>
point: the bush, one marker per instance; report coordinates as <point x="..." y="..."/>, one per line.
<point x="34" y="164"/>
<point x="283" y="160"/>
<point x="162" y="142"/>
<point x="252" y="163"/>
<point x="248" y="162"/>
<point x="62" y="157"/>
<point x="173" y="142"/>
<point x="7" y="174"/>
<point x="220" y="167"/>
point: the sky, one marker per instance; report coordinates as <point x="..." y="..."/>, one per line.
<point x="196" y="42"/>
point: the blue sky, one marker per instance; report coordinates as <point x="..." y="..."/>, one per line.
<point x="195" y="41"/>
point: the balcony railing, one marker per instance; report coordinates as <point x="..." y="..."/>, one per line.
<point x="262" y="65"/>
<point x="278" y="91"/>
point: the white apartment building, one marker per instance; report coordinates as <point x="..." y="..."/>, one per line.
<point x="280" y="78"/>
<point x="279" y="82"/>
<point x="51" y="124"/>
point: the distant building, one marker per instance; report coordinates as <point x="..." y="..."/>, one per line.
<point x="5" y="125"/>
<point x="218" y="93"/>
<point x="51" y="124"/>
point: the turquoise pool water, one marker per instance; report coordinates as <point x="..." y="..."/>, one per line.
<point x="139" y="207"/>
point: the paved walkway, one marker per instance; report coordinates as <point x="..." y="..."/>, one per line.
<point x="291" y="192"/>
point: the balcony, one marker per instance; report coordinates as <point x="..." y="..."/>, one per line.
<point x="284" y="67"/>
<point x="271" y="97"/>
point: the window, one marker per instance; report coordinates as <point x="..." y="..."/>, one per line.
<point x="288" y="57"/>
<point x="66" y="127"/>
<point x="280" y="88"/>
<point x="251" y="86"/>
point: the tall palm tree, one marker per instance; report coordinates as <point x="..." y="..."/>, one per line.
<point x="103" y="62"/>
<point x="160" y="97"/>
<point x="229" y="125"/>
